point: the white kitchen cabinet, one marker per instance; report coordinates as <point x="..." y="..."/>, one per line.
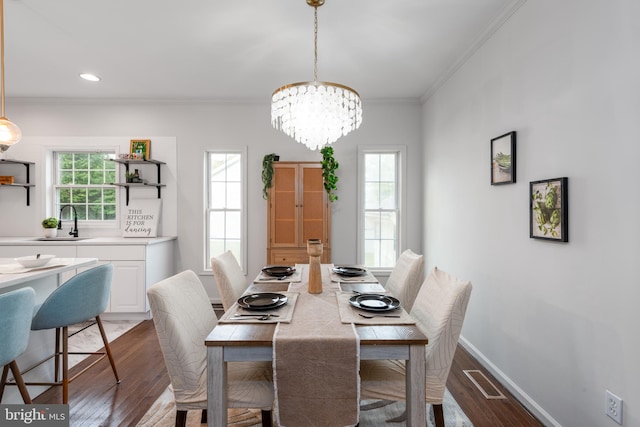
<point x="135" y="268"/>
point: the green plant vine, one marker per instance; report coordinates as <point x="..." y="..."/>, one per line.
<point x="329" y="167"/>
<point x="267" y="173"/>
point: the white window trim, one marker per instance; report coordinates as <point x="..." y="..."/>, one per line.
<point x="50" y="179"/>
<point x="205" y="219"/>
<point x="401" y="150"/>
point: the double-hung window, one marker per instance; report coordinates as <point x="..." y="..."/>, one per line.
<point x="82" y="180"/>
<point x="380" y="187"/>
<point x="225" y="215"/>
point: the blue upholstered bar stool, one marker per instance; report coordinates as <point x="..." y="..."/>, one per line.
<point x="16" y="308"/>
<point x="83" y="297"/>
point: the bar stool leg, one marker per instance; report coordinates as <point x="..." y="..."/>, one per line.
<point x="65" y="365"/>
<point x="21" y="386"/>
<point x="5" y="373"/>
<point x="56" y="356"/>
<point x="107" y="348"/>
<point x="18" y="381"/>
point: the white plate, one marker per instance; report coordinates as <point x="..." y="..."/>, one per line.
<point x="32" y="261"/>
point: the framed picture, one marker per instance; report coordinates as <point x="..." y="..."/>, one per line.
<point x="141" y="147"/>
<point x="503" y="159"/>
<point x="548" y="209"/>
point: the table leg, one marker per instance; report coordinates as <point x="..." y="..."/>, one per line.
<point x="216" y="387"/>
<point x="416" y="391"/>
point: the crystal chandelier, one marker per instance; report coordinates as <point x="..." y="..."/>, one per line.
<point x="315" y="113"/>
<point x="9" y="132"/>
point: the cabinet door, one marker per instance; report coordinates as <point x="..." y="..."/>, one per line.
<point x="127" y="287"/>
<point x="313" y="204"/>
<point x="283" y="199"/>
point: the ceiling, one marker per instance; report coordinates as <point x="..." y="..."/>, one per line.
<point x="239" y="49"/>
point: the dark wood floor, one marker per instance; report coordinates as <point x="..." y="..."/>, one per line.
<point x="96" y="400"/>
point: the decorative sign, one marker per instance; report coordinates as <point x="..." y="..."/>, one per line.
<point x="141" y="218"/>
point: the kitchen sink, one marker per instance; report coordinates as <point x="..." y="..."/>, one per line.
<point x="61" y="239"/>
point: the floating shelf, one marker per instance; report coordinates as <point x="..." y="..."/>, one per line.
<point x="26" y="185"/>
<point x="128" y="185"/>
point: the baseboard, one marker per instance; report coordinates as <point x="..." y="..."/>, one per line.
<point x="522" y="397"/>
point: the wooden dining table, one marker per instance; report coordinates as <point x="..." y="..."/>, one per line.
<point x="231" y="342"/>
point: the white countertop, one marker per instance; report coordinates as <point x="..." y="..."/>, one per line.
<point x="84" y="241"/>
<point x="62" y="265"/>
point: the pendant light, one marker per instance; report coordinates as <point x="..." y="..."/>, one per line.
<point x="10" y="133"/>
<point x="315" y="113"/>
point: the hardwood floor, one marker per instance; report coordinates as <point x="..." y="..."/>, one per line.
<point x="96" y="400"/>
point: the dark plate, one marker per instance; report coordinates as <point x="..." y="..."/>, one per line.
<point x="349" y="271"/>
<point x="374" y="302"/>
<point x="262" y="301"/>
<point x="279" y="270"/>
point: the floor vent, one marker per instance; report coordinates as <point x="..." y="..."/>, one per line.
<point x="486" y="387"/>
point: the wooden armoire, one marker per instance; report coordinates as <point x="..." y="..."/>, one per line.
<point x="298" y="210"/>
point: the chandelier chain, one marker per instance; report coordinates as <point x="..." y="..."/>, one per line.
<point x="315" y="43"/>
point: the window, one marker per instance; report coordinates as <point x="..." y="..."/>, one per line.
<point x="81" y="179"/>
<point x="380" y="216"/>
<point x="225" y="215"/>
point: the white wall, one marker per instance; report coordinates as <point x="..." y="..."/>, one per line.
<point x="557" y="320"/>
<point x="20" y="220"/>
<point x="196" y="127"/>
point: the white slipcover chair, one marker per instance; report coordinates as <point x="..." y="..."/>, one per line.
<point x="229" y="278"/>
<point x="406" y="277"/>
<point x="183" y="317"/>
<point x="439" y="311"/>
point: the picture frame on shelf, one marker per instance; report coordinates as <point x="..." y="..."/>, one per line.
<point x="548" y="209"/>
<point x="503" y="159"/>
<point x="141" y="148"/>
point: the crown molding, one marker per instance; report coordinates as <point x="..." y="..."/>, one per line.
<point x="482" y="38"/>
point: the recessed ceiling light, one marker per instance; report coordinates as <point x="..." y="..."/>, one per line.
<point x="90" y="77"/>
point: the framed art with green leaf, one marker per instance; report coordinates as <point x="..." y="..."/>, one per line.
<point x="141" y="148"/>
<point x="503" y="159"/>
<point x="548" y="209"/>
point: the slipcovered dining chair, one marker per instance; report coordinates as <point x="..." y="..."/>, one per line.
<point x="406" y="277"/>
<point x="183" y="318"/>
<point x="16" y="308"/>
<point x="439" y="311"/>
<point x="229" y="278"/>
<point x="81" y="298"/>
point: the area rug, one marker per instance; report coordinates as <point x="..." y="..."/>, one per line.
<point x="373" y="413"/>
<point x="85" y="336"/>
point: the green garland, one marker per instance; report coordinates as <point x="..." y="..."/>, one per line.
<point x="329" y="167"/>
<point x="267" y="173"/>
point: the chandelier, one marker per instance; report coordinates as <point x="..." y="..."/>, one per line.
<point x="9" y="132"/>
<point x="315" y="113"/>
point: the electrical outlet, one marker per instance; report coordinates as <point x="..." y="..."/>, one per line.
<point x="614" y="407"/>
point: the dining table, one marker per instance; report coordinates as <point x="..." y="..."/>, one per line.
<point x="236" y="339"/>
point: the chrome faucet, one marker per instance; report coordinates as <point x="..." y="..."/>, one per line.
<point x="74" y="230"/>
